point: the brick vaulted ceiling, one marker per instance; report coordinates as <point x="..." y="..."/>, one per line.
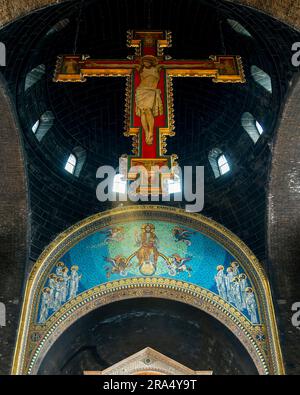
<point x="91" y="115"/>
<point x="287" y="11"/>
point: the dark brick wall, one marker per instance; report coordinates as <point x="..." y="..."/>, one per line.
<point x="284" y="225"/>
<point x="13" y="226"/>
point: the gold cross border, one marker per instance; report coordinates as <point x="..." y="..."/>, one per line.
<point x="93" y="68"/>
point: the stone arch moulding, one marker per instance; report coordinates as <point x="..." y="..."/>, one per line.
<point x="103" y="259"/>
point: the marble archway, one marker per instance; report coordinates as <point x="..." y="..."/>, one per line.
<point x="103" y="253"/>
<point x="149" y="362"/>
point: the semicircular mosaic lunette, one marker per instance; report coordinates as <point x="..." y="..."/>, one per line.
<point x="147" y="251"/>
<point x="154" y="248"/>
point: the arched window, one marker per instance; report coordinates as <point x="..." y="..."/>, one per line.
<point x="218" y="162"/>
<point x="237" y="27"/>
<point x="252" y="126"/>
<point x="58" y="26"/>
<point x="71" y="164"/>
<point x="42" y="125"/>
<point x="223" y="165"/>
<point x="2" y="315"/>
<point x="259" y="128"/>
<point x="120" y="184"/>
<point x="35" y="126"/>
<point x="174" y="184"/>
<point x="261" y="78"/>
<point x="34" y="76"/>
<point x="76" y="161"/>
<point x="2" y="54"/>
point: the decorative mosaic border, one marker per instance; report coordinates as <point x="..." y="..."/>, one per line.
<point x="262" y="342"/>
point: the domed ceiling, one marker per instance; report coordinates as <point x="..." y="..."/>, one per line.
<point x="91" y="115"/>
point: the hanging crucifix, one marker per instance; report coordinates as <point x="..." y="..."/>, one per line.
<point x="149" y="97"/>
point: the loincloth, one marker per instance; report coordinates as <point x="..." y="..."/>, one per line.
<point x="148" y="99"/>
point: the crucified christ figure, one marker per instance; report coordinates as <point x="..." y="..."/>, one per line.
<point x="147" y="97"/>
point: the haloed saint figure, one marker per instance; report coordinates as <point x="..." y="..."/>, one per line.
<point x="148" y="97"/>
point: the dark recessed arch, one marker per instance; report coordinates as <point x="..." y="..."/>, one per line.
<point x="119" y="329"/>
